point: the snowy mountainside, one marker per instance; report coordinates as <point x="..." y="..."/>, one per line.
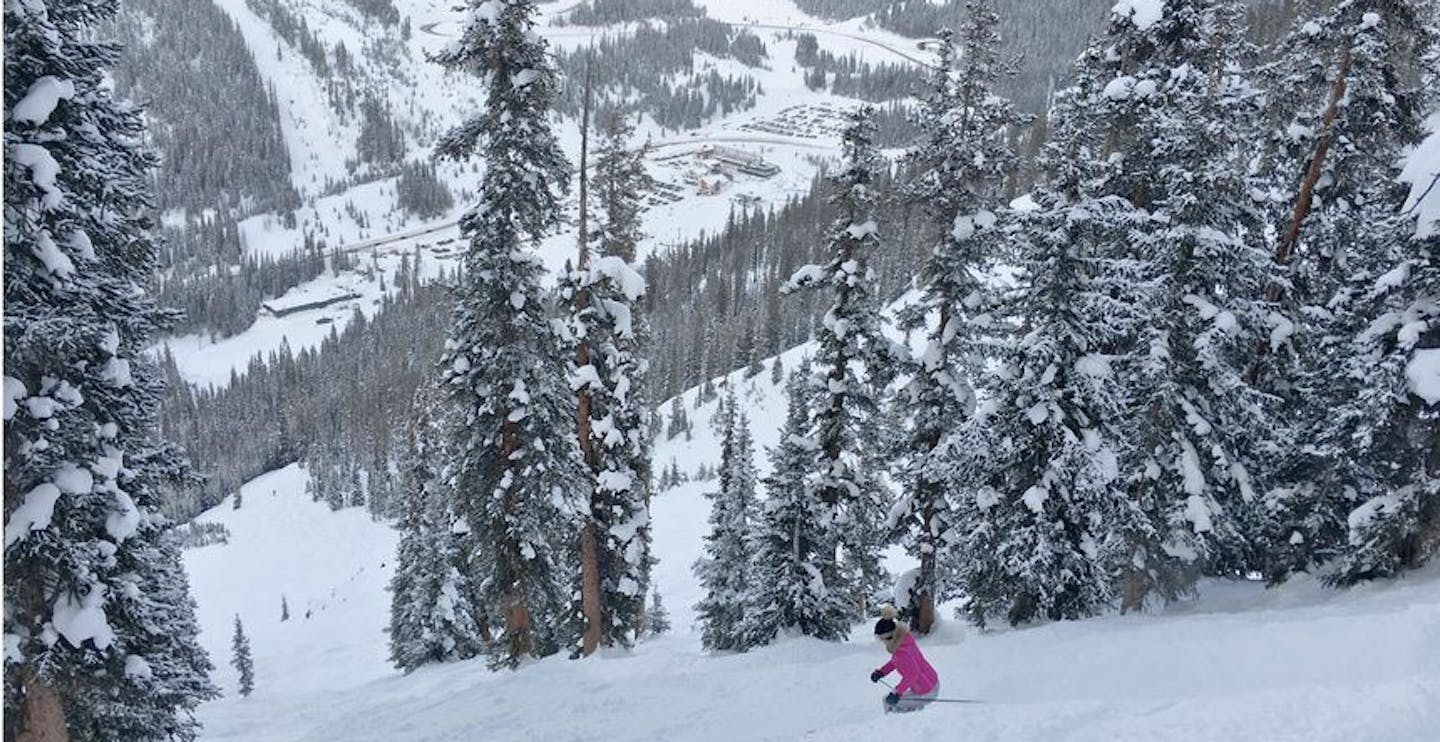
<point x="363" y="218"/>
<point x="1241" y="662"/>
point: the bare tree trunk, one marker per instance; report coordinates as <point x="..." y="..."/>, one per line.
<point x="924" y="591"/>
<point x="1304" y="198"/>
<point x="590" y="603"/>
<point x="517" y="613"/>
<point x="1134" y="588"/>
<point x="517" y="627"/>
<point x="43" y="710"/>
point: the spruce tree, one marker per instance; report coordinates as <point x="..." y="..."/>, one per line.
<point x="723" y="569"/>
<point x="962" y="164"/>
<point x="100" y="627"/>
<point x="845" y="475"/>
<point x="1355" y="472"/>
<point x="657" y="619"/>
<point x="516" y="474"/>
<point x="240" y="658"/>
<point x="432" y="615"/>
<point x="1037" y="473"/>
<point x="610" y="374"/>
<point x="621" y="185"/>
<point x="794" y="575"/>
<point x="1159" y="115"/>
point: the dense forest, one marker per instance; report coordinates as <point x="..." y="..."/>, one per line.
<point x="222" y="152"/>
<point x="1094" y="339"/>
<point x="334" y="406"/>
<point x="654" y="70"/>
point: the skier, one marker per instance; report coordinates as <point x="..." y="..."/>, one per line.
<point x="919" y="683"/>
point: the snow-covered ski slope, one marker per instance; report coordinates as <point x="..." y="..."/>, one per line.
<point x="1240" y="663"/>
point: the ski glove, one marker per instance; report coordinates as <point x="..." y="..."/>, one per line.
<point x="892" y="698"/>
<point x="875" y="676"/>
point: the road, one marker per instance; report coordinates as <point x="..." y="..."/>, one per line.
<point x="429" y="28"/>
<point x="831" y="32"/>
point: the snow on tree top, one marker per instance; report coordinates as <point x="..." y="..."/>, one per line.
<point x="489" y="11"/>
<point x="631" y="283"/>
<point x="1143" y="13"/>
<point x="861" y="231"/>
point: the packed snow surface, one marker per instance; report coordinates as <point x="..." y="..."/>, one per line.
<point x="1241" y="662"/>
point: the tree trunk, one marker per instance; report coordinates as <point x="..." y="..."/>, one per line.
<point x="590" y="603"/>
<point x="923" y="596"/>
<point x="517" y="627"/>
<point x="1134" y="589"/>
<point x="517" y="613"/>
<point x="43" y="710"/>
<point x="924" y="613"/>
<point x="1304" y="199"/>
<point x="590" y="588"/>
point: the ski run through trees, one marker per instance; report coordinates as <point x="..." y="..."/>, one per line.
<point x="1072" y="350"/>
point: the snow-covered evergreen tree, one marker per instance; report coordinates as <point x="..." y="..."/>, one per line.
<point x="723" y="569"/>
<point x="962" y="165"/>
<point x="1036" y="471"/>
<point x="795" y="580"/>
<point x="99" y="625"/>
<point x="517" y="475"/>
<point x="607" y="325"/>
<point x="621" y="183"/>
<point x="679" y="421"/>
<point x="853" y="363"/>
<point x="1355" y="470"/>
<point x="1158" y="116"/>
<point x="432" y="616"/>
<point x="657" y="619"/>
<point x="241" y="660"/>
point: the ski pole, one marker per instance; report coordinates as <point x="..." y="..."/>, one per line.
<point x="937" y="700"/>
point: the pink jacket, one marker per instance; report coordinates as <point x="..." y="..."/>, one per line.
<point x="917" y="677"/>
